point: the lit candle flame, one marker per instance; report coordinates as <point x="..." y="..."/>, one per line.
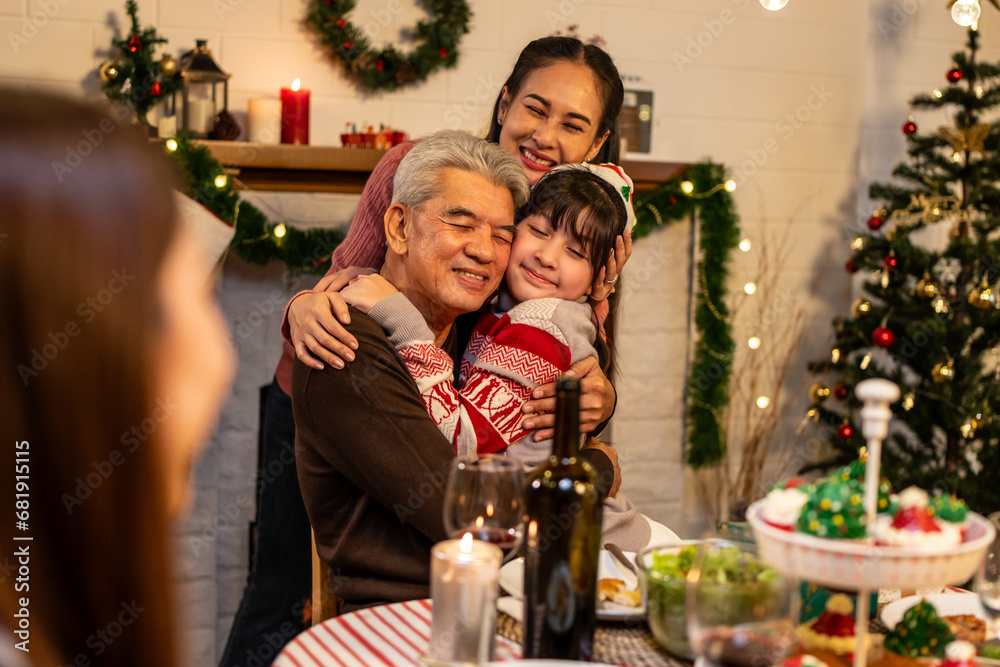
<point x="479" y="522"/>
<point x="465" y="545"/>
<point x="489" y="509"/>
<point x="295" y="84"/>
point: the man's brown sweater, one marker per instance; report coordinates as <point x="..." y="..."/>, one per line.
<point x="373" y="466"/>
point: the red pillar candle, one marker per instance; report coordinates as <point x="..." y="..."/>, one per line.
<point x="294" y="115"/>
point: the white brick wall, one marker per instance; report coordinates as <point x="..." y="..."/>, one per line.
<point x="748" y="70"/>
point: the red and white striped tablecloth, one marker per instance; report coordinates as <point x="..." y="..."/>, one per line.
<point x="394" y="634"/>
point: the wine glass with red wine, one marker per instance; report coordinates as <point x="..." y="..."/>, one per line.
<point x="740" y="611"/>
<point x="485" y="497"/>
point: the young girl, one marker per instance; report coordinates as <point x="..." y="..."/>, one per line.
<point x="536" y="327"/>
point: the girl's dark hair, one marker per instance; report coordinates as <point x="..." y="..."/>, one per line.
<point x="567" y="195"/>
<point x="83" y="198"/>
<point x="547" y="51"/>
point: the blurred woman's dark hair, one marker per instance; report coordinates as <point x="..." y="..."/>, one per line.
<point x="86" y="215"/>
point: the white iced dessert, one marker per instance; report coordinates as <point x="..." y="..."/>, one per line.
<point x="782" y="507"/>
<point x="914" y="525"/>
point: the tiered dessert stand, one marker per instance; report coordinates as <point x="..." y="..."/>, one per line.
<point x="864" y="566"/>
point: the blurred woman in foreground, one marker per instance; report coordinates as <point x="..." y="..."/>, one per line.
<point x="115" y="363"/>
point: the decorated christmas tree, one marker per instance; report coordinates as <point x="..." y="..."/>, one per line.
<point x="133" y="77"/>
<point x="927" y="318"/>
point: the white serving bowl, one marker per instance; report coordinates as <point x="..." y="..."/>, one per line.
<point x="853" y="565"/>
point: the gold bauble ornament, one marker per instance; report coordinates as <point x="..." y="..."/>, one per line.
<point x="983" y="297"/>
<point x="940" y="305"/>
<point x="926" y="288"/>
<point x="835" y="355"/>
<point x="908" y="401"/>
<point x="861" y="306"/>
<point x="109" y="71"/>
<point x="943" y="372"/>
<point x="819" y="392"/>
<point x="168" y="65"/>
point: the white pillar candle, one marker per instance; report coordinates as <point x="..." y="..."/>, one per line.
<point x="166" y="127"/>
<point x="201" y="115"/>
<point x="264" y="121"/>
<point x="464" y="578"/>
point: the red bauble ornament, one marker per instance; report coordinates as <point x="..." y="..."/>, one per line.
<point x="348" y="45"/>
<point x="844" y="432"/>
<point x="909" y="127"/>
<point x="890" y="262"/>
<point x="851" y="266"/>
<point x="379" y="66"/>
<point x="444" y="52"/>
<point x="883" y="337"/>
<point x="341" y="22"/>
<point x="155" y="90"/>
<point x="840" y="391"/>
<point x="875" y="222"/>
<point x="134" y="43"/>
<point x="954" y="75"/>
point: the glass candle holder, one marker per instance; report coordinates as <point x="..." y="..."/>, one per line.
<point x="464" y="579"/>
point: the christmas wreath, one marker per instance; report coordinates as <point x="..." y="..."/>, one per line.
<point x="384" y="67"/>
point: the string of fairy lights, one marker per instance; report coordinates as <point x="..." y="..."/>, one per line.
<point x="965" y="13"/>
<point x="753" y="342"/>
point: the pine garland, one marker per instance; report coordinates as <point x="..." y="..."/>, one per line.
<point x="708" y="383"/>
<point x="386" y="68"/>
<point x="257" y="241"/>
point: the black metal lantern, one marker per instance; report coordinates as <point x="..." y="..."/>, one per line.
<point x="200" y="79"/>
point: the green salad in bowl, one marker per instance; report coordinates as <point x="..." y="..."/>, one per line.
<point x="664" y="569"/>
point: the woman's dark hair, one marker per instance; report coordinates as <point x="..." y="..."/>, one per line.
<point x="547" y="51"/>
<point x="84" y="201"/>
<point x="567" y="195"/>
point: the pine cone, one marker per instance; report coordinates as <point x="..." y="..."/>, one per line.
<point x="226" y="128"/>
<point x="406" y="74"/>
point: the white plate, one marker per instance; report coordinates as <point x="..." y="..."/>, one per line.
<point x="512" y="581"/>
<point x="946" y="604"/>
<point x="543" y="663"/>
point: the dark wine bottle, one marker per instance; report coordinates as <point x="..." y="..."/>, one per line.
<point x="562" y="543"/>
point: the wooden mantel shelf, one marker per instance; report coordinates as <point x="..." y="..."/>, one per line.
<point x="331" y="169"/>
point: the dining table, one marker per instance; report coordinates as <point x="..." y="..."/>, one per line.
<point x="398" y="635"/>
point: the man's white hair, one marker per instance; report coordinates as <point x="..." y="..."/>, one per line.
<point x="418" y="175"/>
